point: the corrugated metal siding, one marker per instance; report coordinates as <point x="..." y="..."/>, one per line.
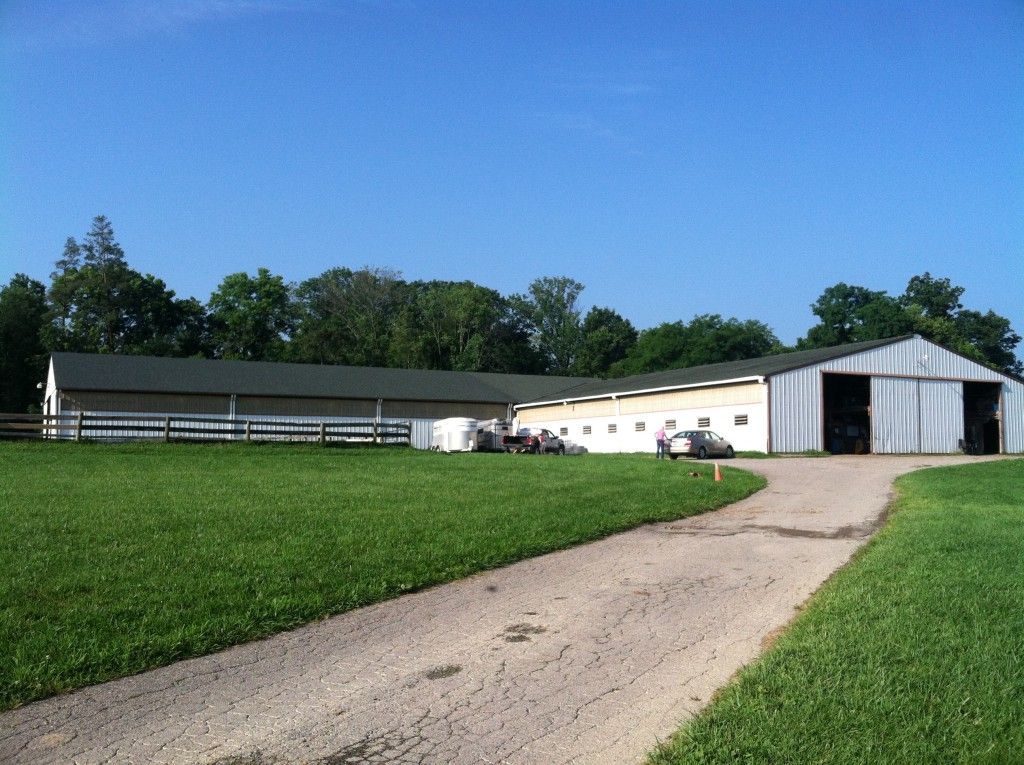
<point x="894" y="413"/>
<point x="896" y="397"/>
<point x="1013" y="417"/>
<point x="914" y="357"/>
<point x="422" y="432"/>
<point x="942" y="416"/>
<point x="915" y="415"/>
<point x="796" y="422"/>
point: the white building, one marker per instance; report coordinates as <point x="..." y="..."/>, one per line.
<point x="899" y="395"/>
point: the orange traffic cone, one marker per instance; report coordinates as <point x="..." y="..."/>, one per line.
<point x="718" y="472"/>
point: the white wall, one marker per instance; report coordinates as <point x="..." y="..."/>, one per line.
<point x="750" y="437"/>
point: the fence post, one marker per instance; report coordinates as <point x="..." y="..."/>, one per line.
<point x="376" y="427"/>
<point x="78" y="427"/>
<point x="167" y="430"/>
<point x="323" y="434"/>
<point x="248" y="430"/>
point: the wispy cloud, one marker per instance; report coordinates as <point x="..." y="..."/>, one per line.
<point x="586" y="126"/>
<point x="603" y="85"/>
<point x="29" y="25"/>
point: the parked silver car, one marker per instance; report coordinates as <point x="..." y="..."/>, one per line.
<point x="699" y="443"/>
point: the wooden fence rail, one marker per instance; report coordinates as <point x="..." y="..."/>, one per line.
<point x="107" y="427"/>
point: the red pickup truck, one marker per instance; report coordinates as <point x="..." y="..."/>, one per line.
<point x="533" y="441"/>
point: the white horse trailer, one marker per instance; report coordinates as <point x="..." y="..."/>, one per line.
<point x="454" y="434"/>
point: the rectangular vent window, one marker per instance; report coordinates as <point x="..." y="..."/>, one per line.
<point x="641" y="426"/>
<point x="612" y="428"/>
<point x="563" y="431"/>
<point x="740" y="419"/>
<point x="703" y="422"/>
<point x="670" y="424"/>
<point x="586" y="430"/>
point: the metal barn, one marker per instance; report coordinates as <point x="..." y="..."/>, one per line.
<point x="893" y="396"/>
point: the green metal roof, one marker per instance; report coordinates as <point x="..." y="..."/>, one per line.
<point x="764" y="366"/>
<point x="147" y="374"/>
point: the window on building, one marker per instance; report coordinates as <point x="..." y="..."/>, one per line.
<point x="670" y="424"/>
<point x="740" y="419"/>
<point x="703" y="422"/>
<point x="640" y="427"/>
<point x="612" y="428"/>
<point x="586" y="430"/>
<point x="563" y="431"/>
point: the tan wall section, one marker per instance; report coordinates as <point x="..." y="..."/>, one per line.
<point x="99" y="401"/>
<point x="305" y="407"/>
<point x="601" y="408"/>
<point x="693" y="398"/>
<point x="439" y="410"/>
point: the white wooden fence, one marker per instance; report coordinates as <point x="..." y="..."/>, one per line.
<point x="83" y="426"/>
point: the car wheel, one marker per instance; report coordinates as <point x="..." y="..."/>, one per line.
<point x="729" y="453"/>
<point x="702" y="453"/>
<point x="673" y="456"/>
<point x="561" y="451"/>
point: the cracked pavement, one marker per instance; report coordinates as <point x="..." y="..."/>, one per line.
<point x="589" y="655"/>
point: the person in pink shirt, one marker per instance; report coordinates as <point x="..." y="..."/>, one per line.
<point x="660" y="438"/>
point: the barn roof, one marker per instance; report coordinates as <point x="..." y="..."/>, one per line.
<point x="765" y="366"/>
<point x="148" y="374"/>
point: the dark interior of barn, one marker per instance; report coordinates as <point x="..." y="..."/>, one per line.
<point x="847" y="414"/>
<point x="981" y="418"/>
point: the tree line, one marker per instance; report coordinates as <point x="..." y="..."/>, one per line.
<point x="97" y="303"/>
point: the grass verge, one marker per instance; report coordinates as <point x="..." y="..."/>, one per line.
<point x="118" y="558"/>
<point x="913" y="653"/>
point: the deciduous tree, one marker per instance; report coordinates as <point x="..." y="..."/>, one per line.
<point x="22" y="355"/>
<point x="606" y="338"/>
<point x="551" y="309"/>
<point x="100" y="305"/>
<point x="251" y="316"/>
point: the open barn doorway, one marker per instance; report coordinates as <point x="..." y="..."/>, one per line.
<point x="981" y="418"/>
<point x="847" y="415"/>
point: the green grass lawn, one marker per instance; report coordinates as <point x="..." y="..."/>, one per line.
<point x="117" y="558"/>
<point x="912" y="654"/>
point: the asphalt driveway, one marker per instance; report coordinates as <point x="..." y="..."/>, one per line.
<point x="589" y="655"/>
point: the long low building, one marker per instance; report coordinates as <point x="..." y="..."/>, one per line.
<point x="106" y="384"/>
<point x="895" y="396"/>
<point x="900" y="395"/>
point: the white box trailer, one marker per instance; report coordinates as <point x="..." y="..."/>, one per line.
<point x="454" y="434"/>
<point x="490" y="435"/>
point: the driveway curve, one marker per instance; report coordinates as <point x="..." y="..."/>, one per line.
<point x="590" y="655"/>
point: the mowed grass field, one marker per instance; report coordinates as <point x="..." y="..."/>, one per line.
<point x="914" y="653"/>
<point x="118" y="558"/>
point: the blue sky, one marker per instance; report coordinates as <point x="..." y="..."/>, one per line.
<point x="677" y="158"/>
